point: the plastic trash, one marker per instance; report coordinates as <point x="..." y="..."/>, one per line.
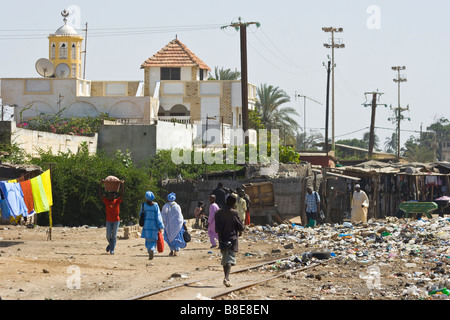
<point x="347" y="225"/>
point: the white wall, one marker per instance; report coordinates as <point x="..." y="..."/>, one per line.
<point x="31" y="140"/>
<point x="210" y="108"/>
<point x="41" y="96"/>
<point x="174" y="135"/>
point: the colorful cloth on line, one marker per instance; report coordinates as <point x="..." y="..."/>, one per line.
<point x="39" y="195"/>
<point x="46" y="182"/>
<point x="28" y="195"/>
<point x="12" y="193"/>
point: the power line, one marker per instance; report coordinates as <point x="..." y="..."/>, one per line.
<point x="107" y="32"/>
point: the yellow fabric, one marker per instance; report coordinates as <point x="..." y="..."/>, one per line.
<point x="12" y="181"/>
<point x="46" y="181"/>
<point x="39" y="196"/>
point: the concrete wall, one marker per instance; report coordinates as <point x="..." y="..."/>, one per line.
<point x="144" y="140"/>
<point x="31" y="140"/>
<point x="288" y="193"/>
<point x="39" y="95"/>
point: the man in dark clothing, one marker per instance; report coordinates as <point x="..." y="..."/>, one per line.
<point x="220" y="194"/>
<point x="229" y="227"/>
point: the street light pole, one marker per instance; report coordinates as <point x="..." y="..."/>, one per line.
<point x="304" y="115"/>
<point x="333" y="45"/>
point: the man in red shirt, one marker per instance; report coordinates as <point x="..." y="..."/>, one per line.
<point x="112" y="207"/>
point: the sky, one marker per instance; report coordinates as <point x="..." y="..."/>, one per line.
<point x="286" y="51"/>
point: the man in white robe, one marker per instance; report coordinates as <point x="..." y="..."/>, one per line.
<point x="360" y="203"/>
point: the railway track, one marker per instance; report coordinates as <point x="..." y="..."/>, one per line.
<point x="212" y="288"/>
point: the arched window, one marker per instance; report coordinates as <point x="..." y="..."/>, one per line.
<point x="73" y="52"/>
<point x="63" y="50"/>
<point x="179" y="110"/>
<point x="161" y="112"/>
<point x="53" y="51"/>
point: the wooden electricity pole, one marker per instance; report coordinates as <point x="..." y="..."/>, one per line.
<point x="242" y="26"/>
<point x="373" y="104"/>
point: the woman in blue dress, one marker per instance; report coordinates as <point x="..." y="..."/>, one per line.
<point x="173" y="225"/>
<point x="153" y="223"/>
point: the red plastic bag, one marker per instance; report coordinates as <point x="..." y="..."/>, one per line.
<point x="160" y="242"/>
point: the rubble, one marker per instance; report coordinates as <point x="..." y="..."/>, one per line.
<point x="422" y="246"/>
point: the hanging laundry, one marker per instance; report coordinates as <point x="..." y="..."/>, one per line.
<point x="28" y="196"/>
<point x="14" y="198"/>
<point x="46" y="181"/>
<point x="5" y="210"/>
<point x="39" y="195"/>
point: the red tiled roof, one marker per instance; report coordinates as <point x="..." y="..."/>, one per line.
<point x="174" y="54"/>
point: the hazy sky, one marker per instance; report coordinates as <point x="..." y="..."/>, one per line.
<point x="286" y="51"/>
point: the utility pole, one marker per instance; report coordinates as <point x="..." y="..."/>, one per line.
<point x="372" y="121"/>
<point x="304" y="114"/>
<point x="242" y="26"/>
<point x="328" y="105"/>
<point x="85" y="51"/>
<point x="399" y="109"/>
<point x="333" y="45"/>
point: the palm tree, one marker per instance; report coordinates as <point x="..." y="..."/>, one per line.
<point x="366" y="138"/>
<point x="390" y="144"/>
<point x="225" y="74"/>
<point x="270" y="99"/>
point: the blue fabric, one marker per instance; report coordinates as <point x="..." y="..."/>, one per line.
<point x="177" y="243"/>
<point x="5" y="209"/>
<point x="149" y="196"/>
<point x="311" y="201"/>
<point x="173" y="220"/>
<point x="150" y="245"/>
<point x="171" y="197"/>
<point x="153" y="222"/>
<point x="14" y="198"/>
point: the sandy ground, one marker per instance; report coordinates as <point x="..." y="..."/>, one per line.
<point x="74" y="265"/>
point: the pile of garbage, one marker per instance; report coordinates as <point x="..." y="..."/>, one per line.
<point x="414" y="244"/>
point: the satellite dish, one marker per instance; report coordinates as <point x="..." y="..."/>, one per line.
<point x="45" y="67"/>
<point x="62" y="70"/>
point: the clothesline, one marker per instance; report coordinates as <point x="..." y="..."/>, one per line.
<point x="24" y="198"/>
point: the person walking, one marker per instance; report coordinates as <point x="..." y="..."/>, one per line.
<point x="241" y="204"/>
<point x="360" y="203"/>
<point x="228" y="227"/>
<point x="173" y="225"/>
<point x="153" y="223"/>
<point x="312" y="203"/>
<point x="112" y="207"/>
<point x="199" y="214"/>
<point x="220" y="194"/>
<point x="213" y="207"/>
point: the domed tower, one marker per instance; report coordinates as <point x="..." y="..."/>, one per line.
<point x="65" y="47"/>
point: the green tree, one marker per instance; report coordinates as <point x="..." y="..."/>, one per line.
<point x="225" y="74"/>
<point x="273" y="116"/>
<point x="390" y="143"/>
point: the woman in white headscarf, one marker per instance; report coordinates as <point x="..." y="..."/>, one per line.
<point x="173" y="225"/>
<point x="360" y="203"/>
